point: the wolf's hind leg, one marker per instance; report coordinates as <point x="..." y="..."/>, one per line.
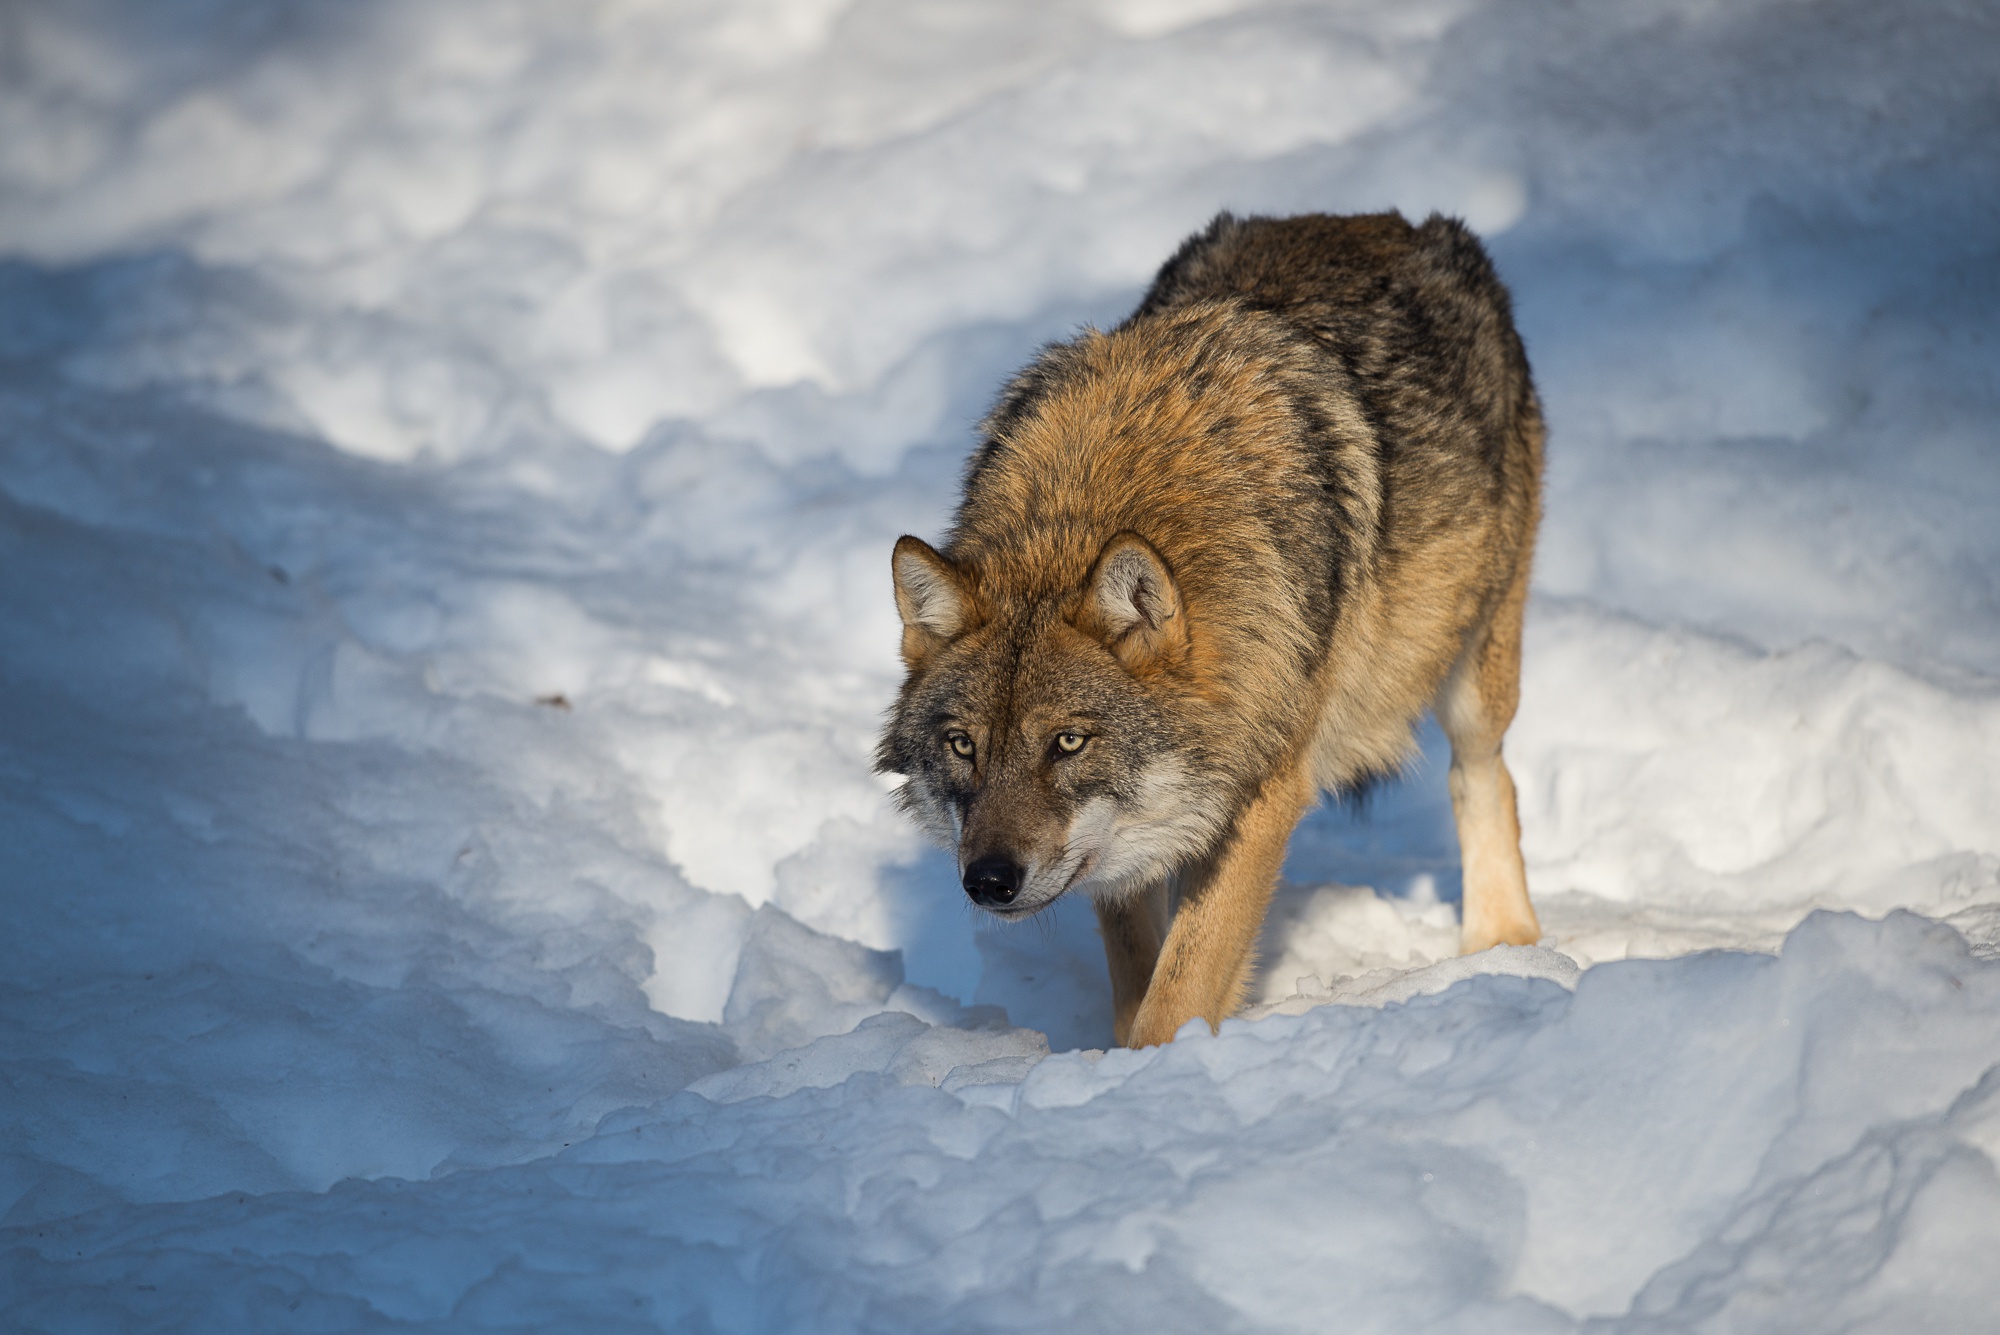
<point x="1132" y="929"/>
<point x="1474" y="708"/>
<point x="1205" y="962"/>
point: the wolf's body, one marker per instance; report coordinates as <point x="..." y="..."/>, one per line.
<point x="1214" y="561"/>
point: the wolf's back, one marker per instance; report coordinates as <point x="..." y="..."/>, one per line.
<point x="1407" y="410"/>
<point x="1416" y="313"/>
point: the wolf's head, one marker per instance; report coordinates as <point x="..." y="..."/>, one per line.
<point x="1049" y="740"/>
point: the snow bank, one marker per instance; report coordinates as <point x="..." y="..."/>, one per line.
<point x="1677" y="1135"/>
<point x="448" y="454"/>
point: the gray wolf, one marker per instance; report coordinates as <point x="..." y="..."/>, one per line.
<point x="1213" y="562"/>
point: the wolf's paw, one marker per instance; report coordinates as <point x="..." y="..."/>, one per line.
<point x="1156" y="1027"/>
<point x="1481" y="936"/>
<point x="1142" y="1035"/>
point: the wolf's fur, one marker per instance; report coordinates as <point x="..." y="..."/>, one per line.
<point x="1237" y="545"/>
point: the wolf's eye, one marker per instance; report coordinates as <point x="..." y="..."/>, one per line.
<point x="1069" y="743"/>
<point x="960" y="744"/>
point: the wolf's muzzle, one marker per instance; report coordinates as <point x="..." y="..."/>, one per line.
<point x="993" y="881"/>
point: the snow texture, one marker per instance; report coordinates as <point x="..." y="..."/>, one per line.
<point x="449" y="454"/>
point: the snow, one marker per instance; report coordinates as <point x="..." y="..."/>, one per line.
<point x="448" y="458"/>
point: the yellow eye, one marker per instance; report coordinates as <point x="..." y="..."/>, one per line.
<point x="961" y="745"/>
<point x="1069" y="743"/>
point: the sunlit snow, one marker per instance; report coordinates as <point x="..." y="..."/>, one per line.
<point x="449" y="455"/>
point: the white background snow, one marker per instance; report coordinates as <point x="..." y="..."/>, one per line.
<point x="449" y="453"/>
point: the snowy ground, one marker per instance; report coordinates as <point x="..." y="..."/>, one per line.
<point x="449" y="453"/>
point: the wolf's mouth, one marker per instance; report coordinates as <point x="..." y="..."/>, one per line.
<point x="1082" y="873"/>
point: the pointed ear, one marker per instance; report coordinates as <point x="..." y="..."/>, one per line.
<point x="930" y="596"/>
<point x="1132" y="604"/>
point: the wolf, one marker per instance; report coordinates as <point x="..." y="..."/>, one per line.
<point x="1213" y="563"/>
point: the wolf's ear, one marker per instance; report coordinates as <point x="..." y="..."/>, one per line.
<point x="930" y="597"/>
<point x="1132" y="604"/>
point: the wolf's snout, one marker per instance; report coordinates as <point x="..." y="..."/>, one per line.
<point x="993" y="882"/>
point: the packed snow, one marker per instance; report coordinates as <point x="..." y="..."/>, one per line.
<point x="449" y="455"/>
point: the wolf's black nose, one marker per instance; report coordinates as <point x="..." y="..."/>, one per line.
<point x="993" y="881"/>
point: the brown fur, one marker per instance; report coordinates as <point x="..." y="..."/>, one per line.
<point x="1237" y="545"/>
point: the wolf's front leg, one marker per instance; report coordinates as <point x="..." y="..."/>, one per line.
<point x="1132" y="930"/>
<point x="1205" y="963"/>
